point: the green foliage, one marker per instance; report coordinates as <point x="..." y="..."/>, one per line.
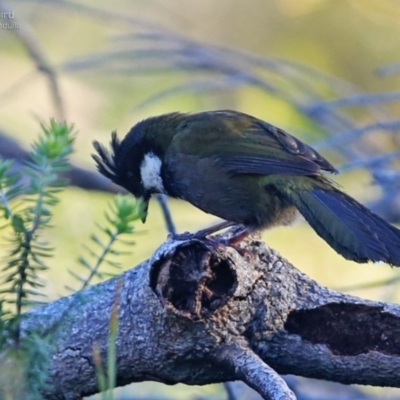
<point x="26" y="372"/>
<point x="27" y="198"/>
<point x="122" y="214"/>
<point x="32" y="211"/>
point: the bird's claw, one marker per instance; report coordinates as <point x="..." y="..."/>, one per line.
<point x="182" y="236"/>
<point x="213" y="241"/>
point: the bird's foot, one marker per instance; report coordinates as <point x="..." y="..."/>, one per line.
<point x="234" y="241"/>
<point x="216" y="241"/>
<point x="236" y="238"/>
<point x="182" y="236"/>
<point x="203" y="233"/>
<point x="212" y="229"/>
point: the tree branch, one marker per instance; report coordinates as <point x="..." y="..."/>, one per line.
<point x="252" y="370"/>
<point x="77" y="176"/>
<point x="199" y="313"/>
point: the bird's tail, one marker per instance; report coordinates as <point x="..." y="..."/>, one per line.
<point x="346" y="225"/>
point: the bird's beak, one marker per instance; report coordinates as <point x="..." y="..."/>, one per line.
<point x="143" y="204"/>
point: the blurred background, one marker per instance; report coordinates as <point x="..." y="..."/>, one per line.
<point x="326" y="71"/>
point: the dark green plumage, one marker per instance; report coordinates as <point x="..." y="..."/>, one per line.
<point x="249" y="172"/>
<point x="349" y="227"/>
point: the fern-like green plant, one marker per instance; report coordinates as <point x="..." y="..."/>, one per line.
<point x="123" y="212"/>
<point x="26" y="201"/>
<point x="27" y="198"/>
<point x="31" y="212"/>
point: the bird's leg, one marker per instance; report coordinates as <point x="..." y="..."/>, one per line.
<point x="203" y="232"/>
<point x="237" y="237"/>
<point x="232" y="241"/>
<point x="163" y="200"/>
<point x="212" y="229"/>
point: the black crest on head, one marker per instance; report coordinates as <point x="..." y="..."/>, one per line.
<point x="107" y="162"/>
<point x="121" y="163"/>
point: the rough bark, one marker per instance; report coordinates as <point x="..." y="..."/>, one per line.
<point x="199" y="313"/>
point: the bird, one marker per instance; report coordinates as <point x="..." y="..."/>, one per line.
<point x="246" y="172"/>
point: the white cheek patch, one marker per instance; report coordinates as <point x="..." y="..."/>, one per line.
<point x="150" y="172"/>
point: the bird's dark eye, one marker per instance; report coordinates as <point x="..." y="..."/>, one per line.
<point x="130" y="174"/>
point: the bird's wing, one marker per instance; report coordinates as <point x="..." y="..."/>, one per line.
<point x="266" y="149"/>
<point x="246" y="145"/>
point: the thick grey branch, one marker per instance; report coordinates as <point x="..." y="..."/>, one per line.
<point x="180" y="310"/>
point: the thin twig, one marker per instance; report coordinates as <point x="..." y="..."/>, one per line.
<point x="230" y="391"/>
<point x="26" y="36"/>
